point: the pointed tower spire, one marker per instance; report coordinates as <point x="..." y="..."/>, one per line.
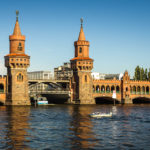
<point x="17" y="30"/>
<point x="81" y="34"/>
<point x="17" y="40"/>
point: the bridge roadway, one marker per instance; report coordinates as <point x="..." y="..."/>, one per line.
<point x="50" y="92"/>
<point x="47" y="81"/>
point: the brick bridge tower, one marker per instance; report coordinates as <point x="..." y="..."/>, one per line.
<point x="17" y="63"/>
<point x="82" y="64"/>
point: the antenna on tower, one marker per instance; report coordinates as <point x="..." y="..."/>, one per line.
<point x="17" y="13"/>
<point x="81" y="21"/>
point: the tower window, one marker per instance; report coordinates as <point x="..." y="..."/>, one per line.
<point x="20" y="77"/>
<point x="19" y="47"/>
<point x="85" y="78"/>
<point x="80" y="50"/>
<point x="1" y="88"/>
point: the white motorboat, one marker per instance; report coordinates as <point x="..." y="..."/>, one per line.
<point x="42" y="101"/>
<point x="100" y="115"/>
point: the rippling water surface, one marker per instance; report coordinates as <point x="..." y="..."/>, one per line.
<point x="70" y="127"/>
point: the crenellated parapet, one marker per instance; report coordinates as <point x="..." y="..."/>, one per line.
<point x="3" y="77"/>
<point x="17" y="60"/>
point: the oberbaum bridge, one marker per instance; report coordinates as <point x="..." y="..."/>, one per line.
<point x="14" y="87"/>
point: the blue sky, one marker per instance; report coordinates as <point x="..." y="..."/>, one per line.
<point x="118" y="32"/>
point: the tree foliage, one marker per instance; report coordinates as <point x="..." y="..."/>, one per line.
<point x="141" y="74"/>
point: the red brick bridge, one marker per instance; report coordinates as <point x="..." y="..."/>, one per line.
<point x="127" y="91"/>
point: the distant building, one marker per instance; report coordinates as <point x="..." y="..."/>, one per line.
<point x="111" y="76"/>
<point x="39" y="75"/>
<point x="63" y="72"/>
<point x="98" y="76"/>
<point x="102" y="76"/>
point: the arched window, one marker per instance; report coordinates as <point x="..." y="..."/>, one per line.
<point x="107" y="89"/>
<point x="1" y="88"/>
<point x="93" y="88"/>
<point x="131" y="90"/>
<point x="97" y="88"/>
<point x="103" y="89"/>
<point x="143" y="90"/>
<point x="80" y="50"/>
<point x="117" y="89"/>
<point x="112" y="88"/>
<point x="147" y="90"/>
<point x="138" y="89"/>
<point x="85" y="78"/>
<point x="20" y="77"/>
<point x="20" y="47"/>
<point x="134" y="90"/>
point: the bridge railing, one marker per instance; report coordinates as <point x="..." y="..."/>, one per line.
<point x="107" y="92"/>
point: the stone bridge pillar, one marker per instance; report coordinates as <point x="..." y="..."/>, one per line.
<point x="126" y="98"/>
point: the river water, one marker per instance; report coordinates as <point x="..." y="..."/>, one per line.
<point x="69" y="127"/>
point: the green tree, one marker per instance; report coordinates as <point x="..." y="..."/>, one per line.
<point x="149" y="75"/>
<point x="137" y="73"/>
<point x="141" y="73"/>
<point x="145" y="74"/>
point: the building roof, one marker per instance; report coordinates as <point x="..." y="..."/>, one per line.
<point x="17" y="30"/>
<point x="82" y="58"/>
<point x="14" y="54"/>
<point x="81" y="35"/>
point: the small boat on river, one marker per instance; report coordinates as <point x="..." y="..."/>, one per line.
<point x="100" y="115"/>
<point x="42" y="101"/>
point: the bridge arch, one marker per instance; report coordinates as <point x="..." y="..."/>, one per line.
<point x="106" y="100"/>
<point x="141" y="100"/>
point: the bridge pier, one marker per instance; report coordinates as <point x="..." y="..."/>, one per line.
<point x="127" y="100"/>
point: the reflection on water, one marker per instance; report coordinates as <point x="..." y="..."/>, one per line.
<point x="81" y="125"/>
<point x="15" y="126"/>
<point x="70" y="127"/>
